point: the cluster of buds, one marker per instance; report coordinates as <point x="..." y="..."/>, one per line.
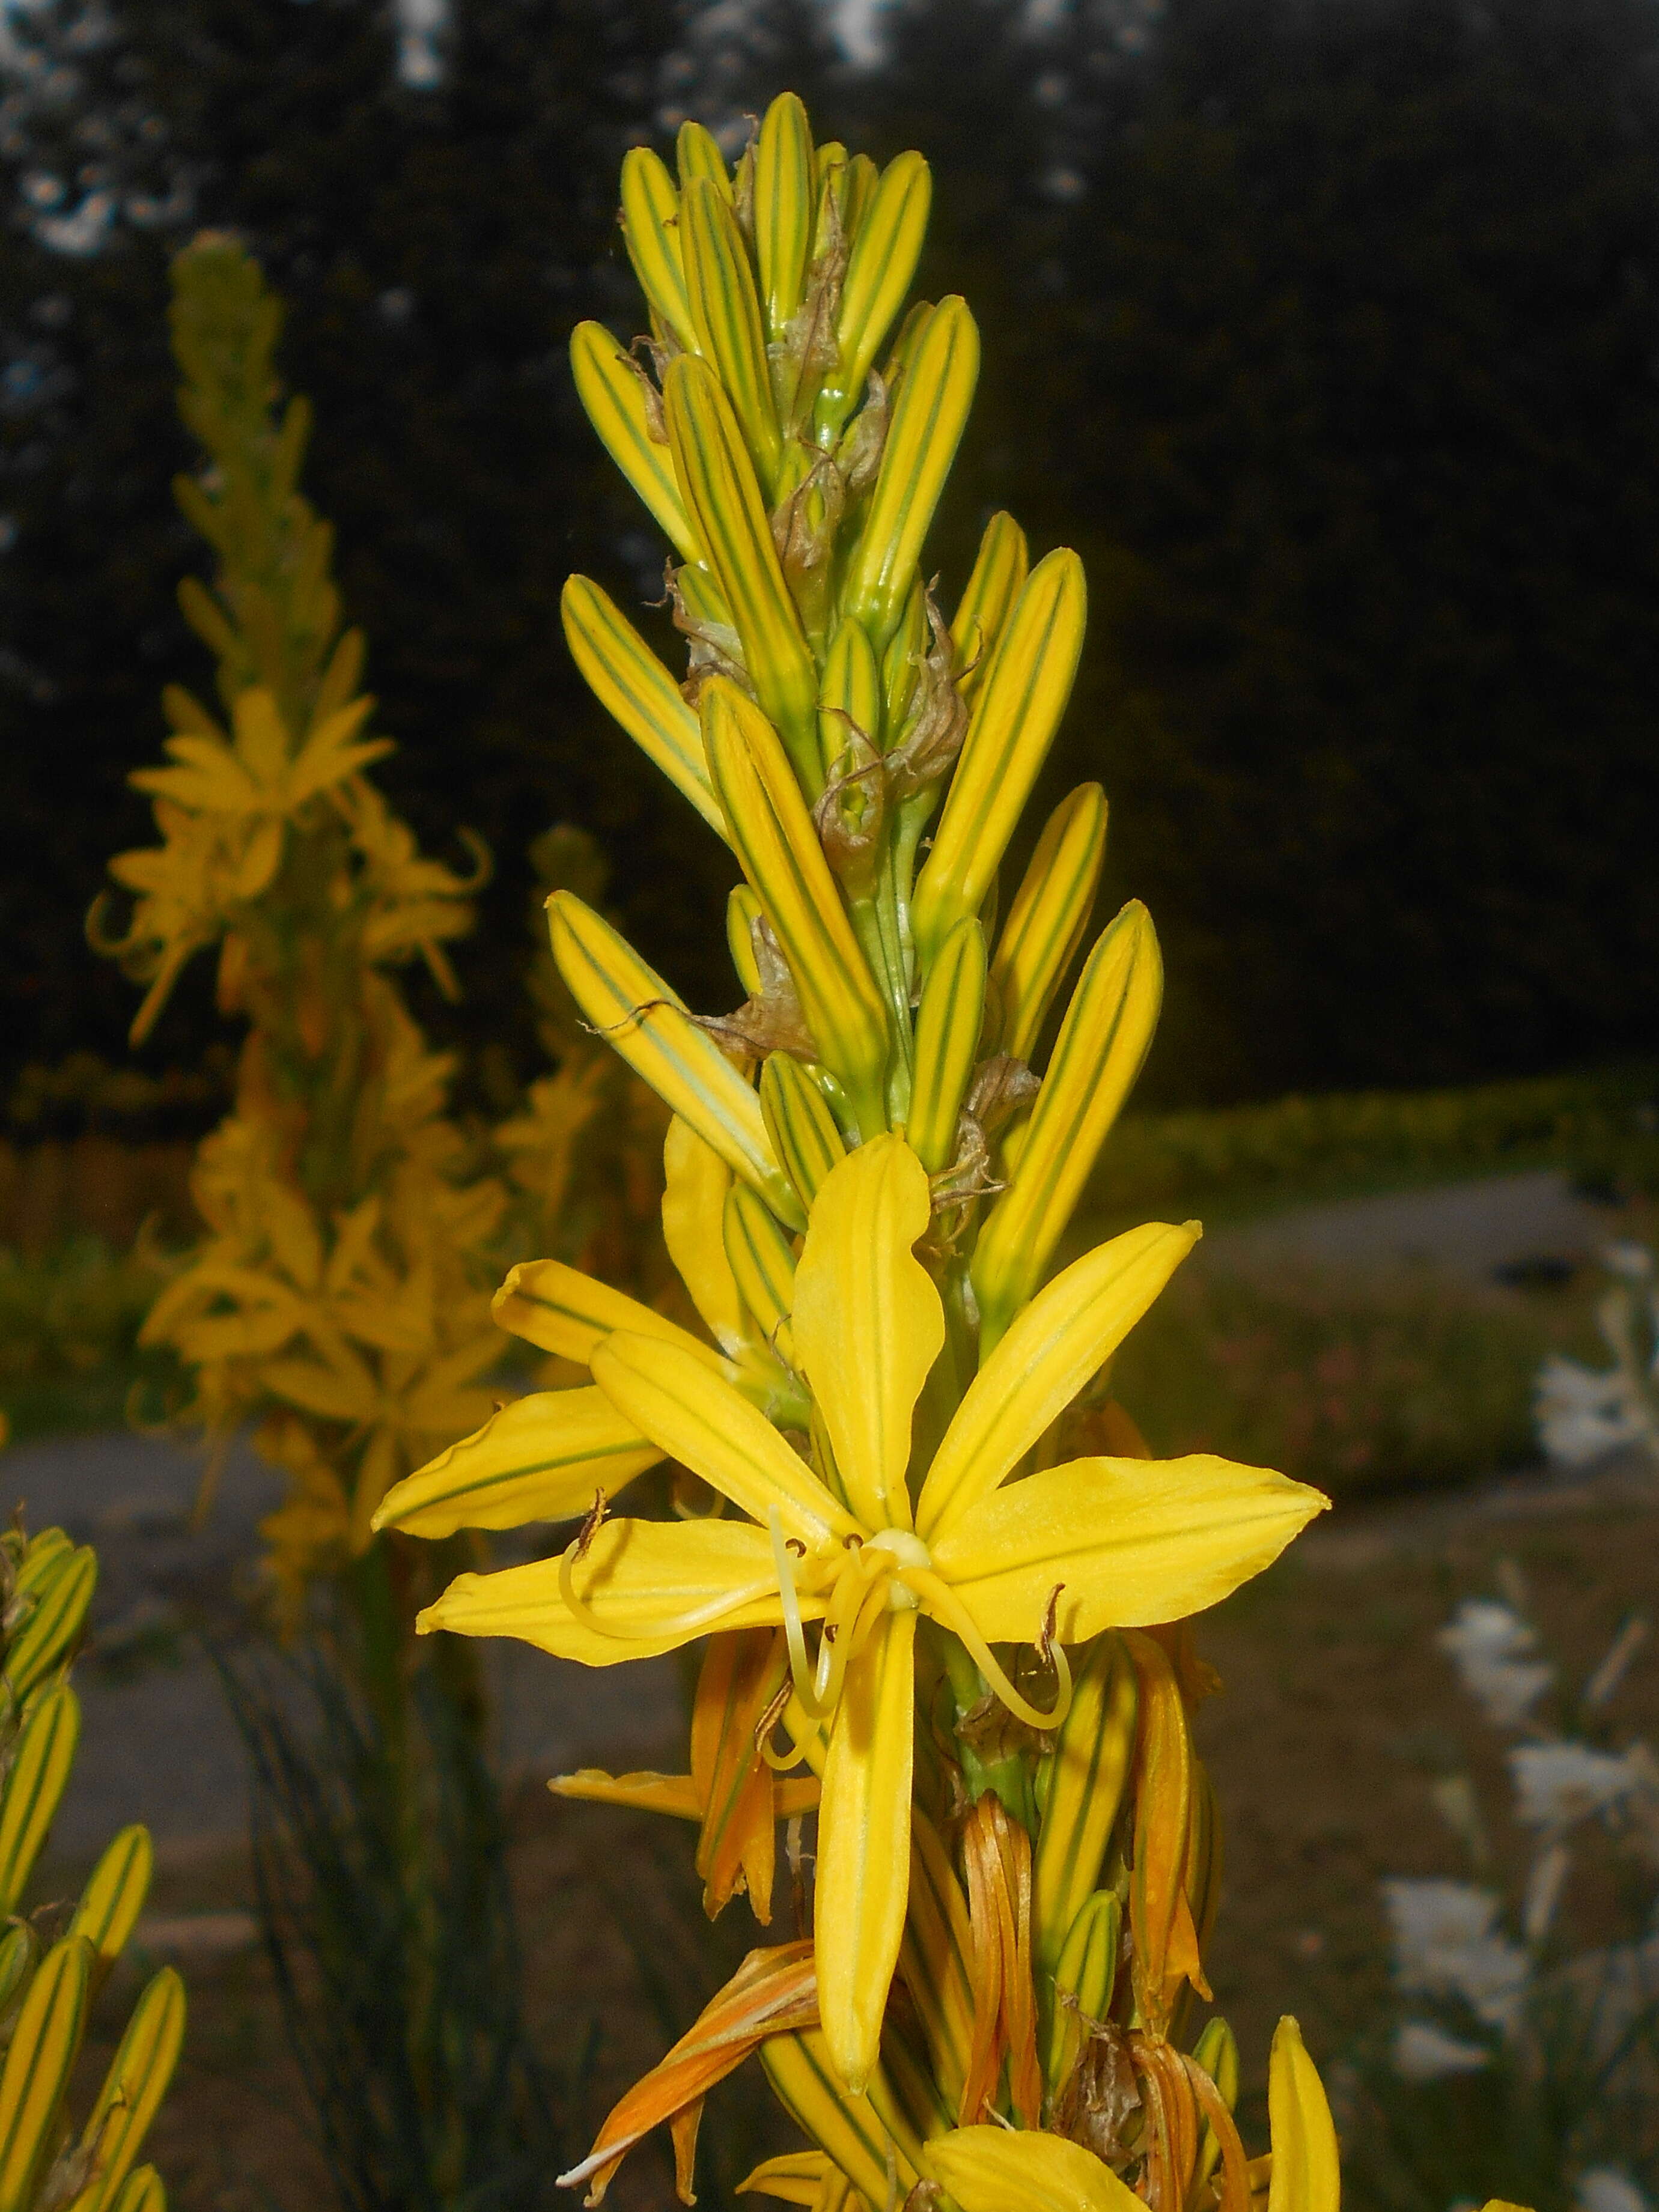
<point x="943" y="1586"/>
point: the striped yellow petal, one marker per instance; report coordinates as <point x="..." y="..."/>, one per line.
<point x="1050" y="911"/>
<point x="647" y="1025"/>
<point x="761" y="1261"/>
<point x="695" y="1185"/>
<point x="1304" y="2177"/>
<point x="726" y="310"/>
<point x="993" y="592"/>
<point x="700" y="1419"/>
<point x="697" y="154"/>
<point x="879" y="269"/>
<point x="997" y="2169"/>
<point x="797" y="2177"/>
<point x="868" y="1324"/>
<point x="1129" y="1542"/>
<point x="921" y="443"/>
<point x="34" y="1786"/>
<point x="881" y="2160"/>
<point x="1013" y="723"/>
<point x="802" y="1129"/>
<point x="560" y="1310"/>
<point x="44" y="2045"/>
<point x="901" y="662"/>
<point x="743" y="911"/>
<point x="608" y="384"/>
<point x="643" y="1587"/>
<point x="785" y="208"/>
<point x="948" y="1023"/>
<point x="61" y="1593"/>
<point x="1216" y="2051"/>
<point x="858" y="195"/>
<point x="134" y="2085"/>
<point x="1056" y="1343"/>
<point x="1097" y="1057"/>
<point x="773" y="838"/>
<point x="718" y="481"/>
<point x="864" y="1847"/>
<point x="935" y="1959"/>
<point x="143" y="2190"/>
<point x="637" y="691"/>
<point x="674" y="1794"/>
<point x="1086" y="1773"/>
<point x="650" y="211"/>
<point x="541" y="1458"/>
<point x="114" y="1895"/>
<point x="850" y="696"/>
<point x="1083" y="1974"/>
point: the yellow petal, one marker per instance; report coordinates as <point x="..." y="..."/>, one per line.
<point x="647" y="1024"/>
<point x="881" y="2159"/>
<point x="697" y="1418"/>
<point x="992" y="592"/>
<point x="1133" y="1541"/>
<point x="696" y="1182"/>
<point x="1014" y="720"/>
<point x="926" y="428"/>
<point x="796" y="2178"/>
<point x="674" y="1794"/>
<point x="633" y="686"/>
<point x="1097" y="1054"/>
<point x="560" y="1310"/>
<point x="784" y="208"/>
<point x="653" y="1585"/>
<point x="541" y="1458"/>
<point x="998" y="2169"/>
<point x="864" y="1846"/>
<point x="763" y="1264"/>
<point x="1304" y="2174"/>
<point x="867" y="1323"/>
<point x="725" y="308"/>
<point x="1049" y="916"/>
<point x="608" y="384"/>
<point x="1056" y="1345"/>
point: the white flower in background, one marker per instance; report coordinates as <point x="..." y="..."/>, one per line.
<point x="1488" y="1642"/>
<point x="1423" y="2052"/>
<point x="1607" y="2189"/>
<point x="1447" y="1944"/>
<point x="1558" y="1784"/>
<point x="1584" y="1412"/>
<point x="1544" y="1885"/>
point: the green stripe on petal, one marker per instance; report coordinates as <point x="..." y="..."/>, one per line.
<point x="541" y="1458"/>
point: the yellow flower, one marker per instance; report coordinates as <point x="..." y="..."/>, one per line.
<point x="1050" y="1559"/>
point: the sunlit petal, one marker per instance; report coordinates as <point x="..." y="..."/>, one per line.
<point x="539" y="1459"/>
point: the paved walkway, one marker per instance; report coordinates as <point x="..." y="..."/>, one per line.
<point x="157" y="1744"/>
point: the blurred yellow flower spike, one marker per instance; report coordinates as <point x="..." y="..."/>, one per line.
<point x="1045" y="1562"/>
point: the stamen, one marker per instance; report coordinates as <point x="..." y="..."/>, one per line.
<point x="789" y="1599"/>
<point x="688" y="1623"/>
<point x="947" y="1608"/>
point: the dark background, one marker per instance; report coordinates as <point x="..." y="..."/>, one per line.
<point x="1328" y="332"/>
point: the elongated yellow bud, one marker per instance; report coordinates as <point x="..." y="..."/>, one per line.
<point x="785" y="209"/>
<point x="934" y="1959"/>
<point x="902" y="659"/>
<point x="1014" y="720"/>
<point x="1304" y="2170"/>
<point x="849" y="700"/>
<point x="637" y="691"/>
<point x="1097" y="1054"/>
<point x="44" y="2045"/>
<point x="948" y="1023"/>
<point x="647" y="1024"/>
<point x="615" y="397"/>
<point x="1217" y="2052"/>
<point x="62" y="1589"/>
<point x="921" y="443"/>
<point x="35" y="1787"/>
<point x="718" y="480"/>
<point x="650" y="212"/>
<point x="726" y="310"/>
<point x="1090" y="1766"/>
<point x="697" y="154"/>
<point x="993" y="592"/>
<point x="798" y="1121"/>
<point x="1048" y="917"/>
<point x="743" y="911"/>
<point x="762" y="1265"/>
<point x="859" y="2139"/>
<point x="143" y="2190"/>
<point x="114" y="1896"/>
<point x="883" y="260"/>
<point x="1081" y="1987"/>
<point x="773" y="838"/>
<point x="134" y="2085"/>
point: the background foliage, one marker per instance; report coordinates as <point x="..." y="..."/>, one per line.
<point x="1327" y="333"/>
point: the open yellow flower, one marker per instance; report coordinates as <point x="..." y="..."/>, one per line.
<point x="864" y="1543"/>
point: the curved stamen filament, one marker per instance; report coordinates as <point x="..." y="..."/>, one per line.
<point x="852" y="1586"/>
<point x="862" y="1616"/>
<point x="947" y="1608"/>
<point x="794" y="1636"/>
<point x="678" y="1626"/>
